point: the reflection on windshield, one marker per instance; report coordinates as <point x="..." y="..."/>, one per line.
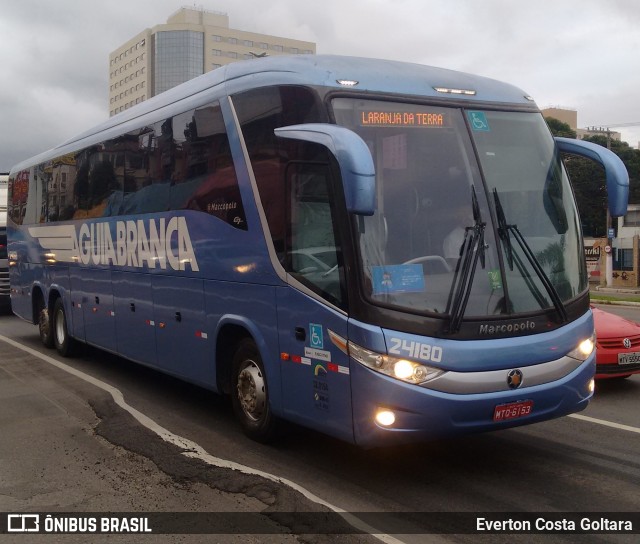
<point x="426" y="173"/>
<point x="520" y="163"/>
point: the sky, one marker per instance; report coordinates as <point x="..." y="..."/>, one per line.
<point x="577" y="54"/>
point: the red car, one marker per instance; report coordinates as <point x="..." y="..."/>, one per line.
<point x="617" y="345"/>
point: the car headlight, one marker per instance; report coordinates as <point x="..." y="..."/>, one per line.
<point x="584" y="348"/>
<point x="400" y="369"/>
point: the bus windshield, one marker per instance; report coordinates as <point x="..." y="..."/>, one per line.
<point x="502" y="214"/>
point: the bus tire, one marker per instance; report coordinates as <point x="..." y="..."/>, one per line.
<point x="44" y="327"/>
<point x="64" y="344"/>
<point x="250" y="394"/>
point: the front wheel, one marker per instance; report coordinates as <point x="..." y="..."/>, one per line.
<point x="63" y="342"/>
<point x="250" y="394"/>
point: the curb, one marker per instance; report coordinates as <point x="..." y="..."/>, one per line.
<point x="615" y="302"/>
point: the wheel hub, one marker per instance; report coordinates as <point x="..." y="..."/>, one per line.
<point x="251" y="391"/>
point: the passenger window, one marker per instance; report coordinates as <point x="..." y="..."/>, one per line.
<point x="183" y="162"/>
<point x="260" y="112"/>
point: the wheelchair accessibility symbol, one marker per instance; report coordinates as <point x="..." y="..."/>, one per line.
<point x="315" y="336"/>
<point x="478" y="121"/>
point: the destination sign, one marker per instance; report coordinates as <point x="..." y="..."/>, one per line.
<point x="418" y="118"/>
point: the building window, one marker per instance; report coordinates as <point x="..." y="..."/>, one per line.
<point x="179" y="57"/>
<point x="263" y="45"/>
<point x="232" y="54"/>
<point x="623" y="259"/>
<point x="248" y="43"/>
<point x="216" y="52"/>
<point x="216" y="38"/>
<point x="277" y="48"/>
<point x="632" y="219"/>
<point x="293" y="50"/>
<point x="233" y="41"/>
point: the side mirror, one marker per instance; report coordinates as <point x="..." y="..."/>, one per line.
<point x="614" y="169"/>
<point x="353" y="156"/>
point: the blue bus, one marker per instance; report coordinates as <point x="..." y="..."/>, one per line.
<point x="381" y="251"/>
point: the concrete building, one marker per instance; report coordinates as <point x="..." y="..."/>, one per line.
<point x="570" y="117"/>
<point x="192" y="42"/>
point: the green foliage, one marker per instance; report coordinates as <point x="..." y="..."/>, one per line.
<point x="558" y="128"/>
<point x="588" y="181"/>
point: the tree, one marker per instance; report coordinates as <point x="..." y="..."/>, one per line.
<point x="588" y="180"/>
<point x="558" y="128"/>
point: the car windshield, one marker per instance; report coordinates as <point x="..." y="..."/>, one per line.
<point x="437" y="203"/>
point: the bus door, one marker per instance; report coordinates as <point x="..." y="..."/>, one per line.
<point x="134" y="310"/>
<point x="316" y="384"/>
<point x="182" y="342"/>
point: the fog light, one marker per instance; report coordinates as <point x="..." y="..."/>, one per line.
<point x="592" y="386"/>
<point x="386" y="418"/>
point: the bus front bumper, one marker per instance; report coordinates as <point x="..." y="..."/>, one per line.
<point x="421" y="414"/>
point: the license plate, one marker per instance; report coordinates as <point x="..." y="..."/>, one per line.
<point x="512" y="410"/>
<point x="628" y="358"/>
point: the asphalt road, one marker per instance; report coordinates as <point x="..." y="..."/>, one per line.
<point x="67" y="446"/>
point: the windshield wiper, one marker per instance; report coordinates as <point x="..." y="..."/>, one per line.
<point x="471" y="251"/>
<point x="505" y="230"/>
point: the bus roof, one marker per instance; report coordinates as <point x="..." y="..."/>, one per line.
<point x="371" y="75"/>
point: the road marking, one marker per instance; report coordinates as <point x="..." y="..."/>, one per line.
<point x="606" y="423"/>
<point x="194" y="450"/>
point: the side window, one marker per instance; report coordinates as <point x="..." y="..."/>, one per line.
<point x="313" y="247"/>
<point x="207" y="178"/>
<point x="295" y="186"/>
<point x="19" y="196"/>
<point x="99" y="179"/>
<point x="64" y="177"/>
<point x="181" y="163"/>
<point x="260" y="111"/>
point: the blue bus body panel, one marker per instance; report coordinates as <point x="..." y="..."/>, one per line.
<point x="133" y="305"/>
<point x="316" y="382"/>
<point x="179" y="321"/>
<point x="423" y="414"/>
<point x="495" y="354"/>
<point x="250" y="308"/>
<point x="97" y="308"/>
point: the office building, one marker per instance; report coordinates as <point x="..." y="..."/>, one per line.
<point x="570" y="117"/>
<point x="192" y="42"/>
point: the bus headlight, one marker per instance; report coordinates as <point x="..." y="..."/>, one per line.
<point x="400" y="369"/>
<point x="584" y="349"/>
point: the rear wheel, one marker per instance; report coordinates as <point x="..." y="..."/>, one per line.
<point x="63" y="342"/>
<point x="44" y="326"/>
<point x="250" y="394"/>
